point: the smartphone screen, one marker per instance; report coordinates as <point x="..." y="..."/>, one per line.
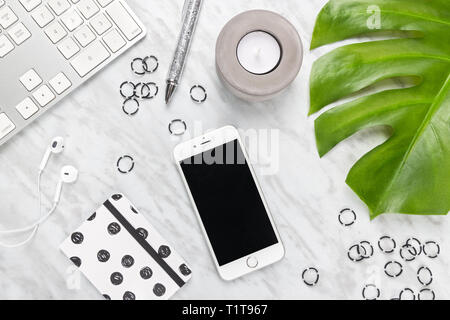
<point x="229" y="203"/>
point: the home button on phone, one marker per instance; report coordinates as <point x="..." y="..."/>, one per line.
<point x="252" y="262"/>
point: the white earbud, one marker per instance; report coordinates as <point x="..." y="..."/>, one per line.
<point x="57" y="146"/>
<point x="69" y="174"/>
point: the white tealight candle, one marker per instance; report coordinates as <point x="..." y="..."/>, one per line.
<point x="259" y="52"/>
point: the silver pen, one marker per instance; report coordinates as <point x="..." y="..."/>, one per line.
<point x="190" y="19"/>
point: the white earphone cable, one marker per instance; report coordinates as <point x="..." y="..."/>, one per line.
<point x="69" y="174"/>
<point x="40" y="209"/>
<point x="33" y="233"/>
<point x="35" y="226"/>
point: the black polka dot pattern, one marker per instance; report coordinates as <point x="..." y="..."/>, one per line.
<point x="113" y="228"/>
<point x="117" y="197"/>
<point x="127" y="261"/>
<point x="164" y="251"/>
<point x="109" y="249"/>
<point x="103" y="256"/>
<point x="142" y="232"/>
<point x="146" y="273"/>
<point x="76" y="261"/>
<point x="159" y="290"/>
<point x="77" y="237"/>
<point x="128" y="295"/>
<point x="184" y="269"/>
<point x="116" y="278"/>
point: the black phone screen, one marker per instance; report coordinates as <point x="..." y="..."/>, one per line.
<point x="228" y="201"/>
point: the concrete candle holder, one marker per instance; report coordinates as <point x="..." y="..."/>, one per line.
<point x="252" y="86"/>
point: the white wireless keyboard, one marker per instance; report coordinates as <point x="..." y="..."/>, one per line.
<point x="50" y="47"/>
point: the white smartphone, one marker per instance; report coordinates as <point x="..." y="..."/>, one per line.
<point x="229" y="203"/>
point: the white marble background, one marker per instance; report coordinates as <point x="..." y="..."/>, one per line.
<point x="305" y="195"/>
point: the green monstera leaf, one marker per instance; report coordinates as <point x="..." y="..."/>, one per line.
<point x="410" y="172"/>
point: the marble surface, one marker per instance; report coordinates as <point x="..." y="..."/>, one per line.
<point x="305" y="194"/>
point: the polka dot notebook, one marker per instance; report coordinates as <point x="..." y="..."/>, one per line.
<point x="123" y="256"/>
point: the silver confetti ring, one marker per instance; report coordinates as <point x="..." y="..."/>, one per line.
<point x="368" y="248"/>
<point x="416" y="244"/>
<point x="127" y="89"/>
<point x="138" y="67"/>
<point x="429" y="291"/>
<point x="354" y="253"/>
<point x="421" y="275"/>
<point x="343" y="217"/>
<point x="411" y="292"/>
<point x="177" y="127"/>
<point x="308" y="274"/>
<point x="148" y="87"/>
<point x="126" y="106"/>
<point x="371" y="286"/>
<point x="382" y="244"/>
<point x="427" y="249"/>
<point x="387" y="268"/>
<point x="146" y="66"/>
<point x="120" y="166"/>
<point x="203" y="95"/>
<point x="410" y="250"/>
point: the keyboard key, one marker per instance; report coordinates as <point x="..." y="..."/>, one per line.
<point x="114" y="41"/>
<point x="72" y="20"/>
<point x="104" y="3"/>
<point x="27" y="108"/>
<point x="30" y="80"/>
<point x="7" y="17"/>
<point x="68" y="48"/>
<point x="88" y="8"/>
<point x="30" y="5"/>
<point x="59" y="6"/>
<point x="42" y="16"/>
<point x="84" y="35"/>
<point x="90" y="58"/>
<point x="55" y="32"/>
<point x="60" y="83"/>
<point x="19" y="33"/>
<point x="100" y="24"/>
<point x="6" y="46"/>
<point x="44" y="95"/>
<point x="6" y="125"/>
<point x="123" y="20"/>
